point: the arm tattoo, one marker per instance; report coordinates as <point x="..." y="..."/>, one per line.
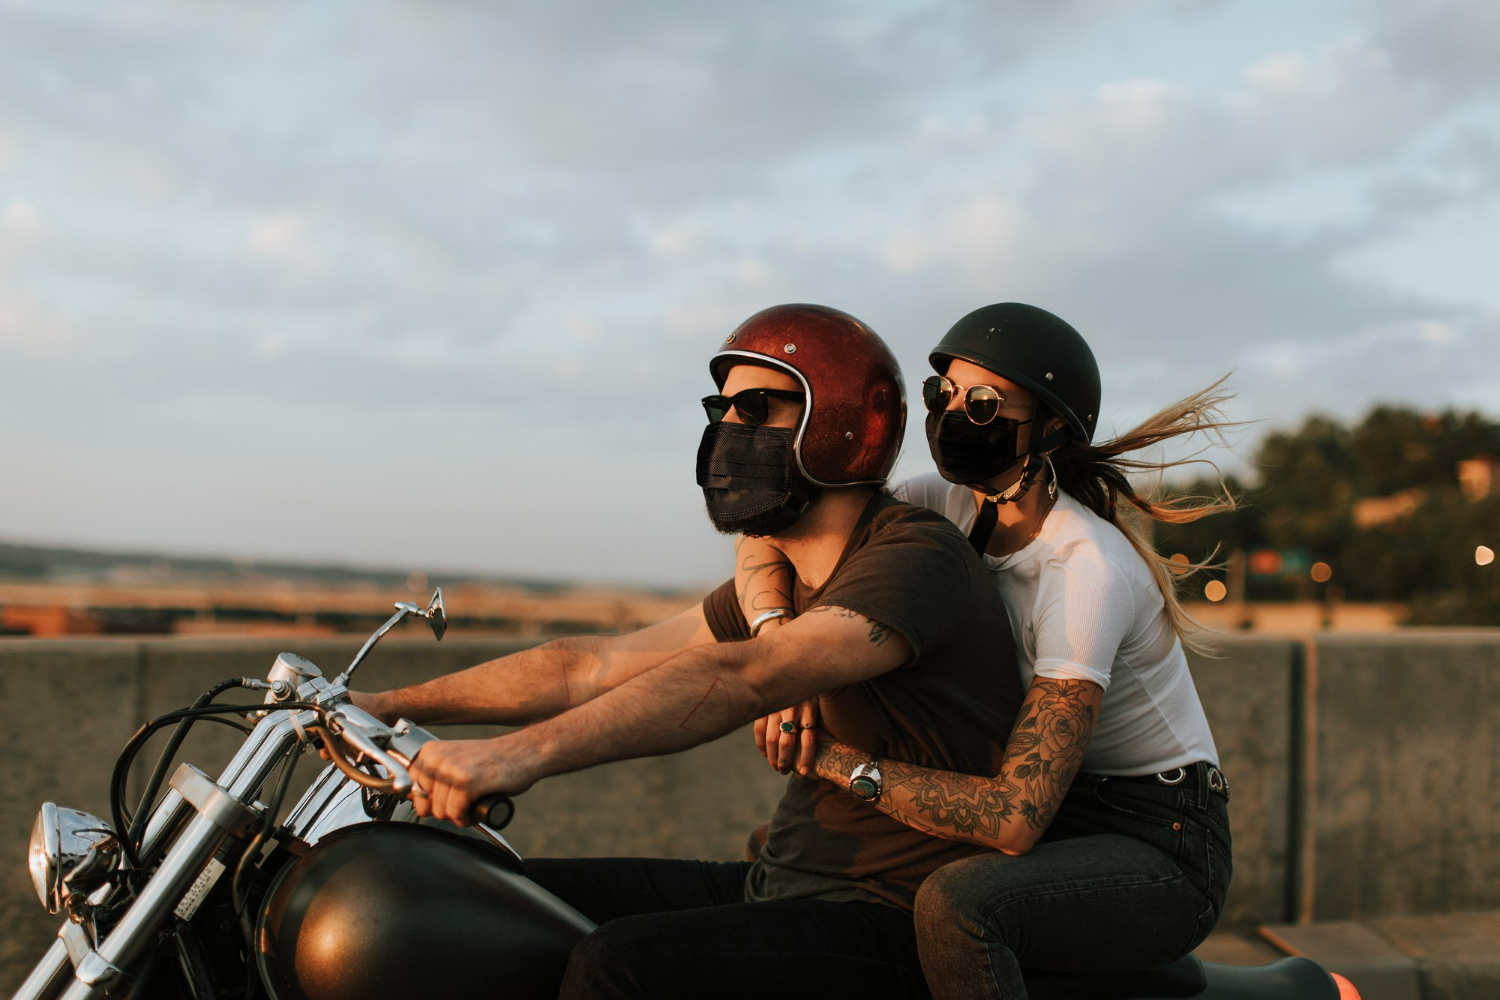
<point x="1043" y="756"/>
<point x="762" y="586"/>
<point x="1047" y="745"/>
<point x="879" y="631"/>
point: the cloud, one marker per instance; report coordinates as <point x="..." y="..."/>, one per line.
<point x="295" y="234"/>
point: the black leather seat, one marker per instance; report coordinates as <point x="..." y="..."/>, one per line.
<point x="1182" y="978"/>
<point x="1288" y="979"/>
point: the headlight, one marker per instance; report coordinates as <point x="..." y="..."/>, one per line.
<point x="70" y="851"/>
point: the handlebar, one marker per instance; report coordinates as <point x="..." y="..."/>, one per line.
<point x="364" y="733"/>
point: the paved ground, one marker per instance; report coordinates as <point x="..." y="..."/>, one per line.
<point x="1450" y="957"/>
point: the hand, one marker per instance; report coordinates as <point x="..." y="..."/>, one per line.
<point x="781" y="748"/>
<point x="449" y="776"/>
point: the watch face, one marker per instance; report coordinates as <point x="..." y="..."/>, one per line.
<point x="864" y="788"/>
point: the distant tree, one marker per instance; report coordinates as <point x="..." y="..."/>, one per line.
<point x="1312" y="477"/>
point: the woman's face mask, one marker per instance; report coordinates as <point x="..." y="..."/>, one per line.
<point x="967" y="453"/>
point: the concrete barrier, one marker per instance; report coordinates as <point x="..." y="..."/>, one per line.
<point x="1402" y="775"/>
<point x="1248" y="693"/>
<point x="1364" y="770"/>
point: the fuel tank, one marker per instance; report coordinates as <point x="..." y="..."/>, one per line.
<point x="400" y="910"/>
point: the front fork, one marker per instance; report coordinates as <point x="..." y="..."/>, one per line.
<point x="220" y="808"/>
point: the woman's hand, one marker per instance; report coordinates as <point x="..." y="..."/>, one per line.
<point x="783" y="749"/>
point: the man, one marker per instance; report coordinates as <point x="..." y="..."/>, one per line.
<point x="895" y="618"/>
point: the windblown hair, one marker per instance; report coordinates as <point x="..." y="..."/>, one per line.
<point x="1097" y="476"/>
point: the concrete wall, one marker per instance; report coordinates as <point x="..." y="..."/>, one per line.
<point x="1247" y="689"/>
<point x="1364" y="770"/>
<point x="1403" y="771"/>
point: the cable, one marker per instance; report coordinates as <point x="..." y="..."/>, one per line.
<point x="267" y="824"/>
<point x="171" y="749"/>
<point x="132" y="747"/>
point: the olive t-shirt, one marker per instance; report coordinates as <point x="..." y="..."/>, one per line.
<point x="951" y="707"/>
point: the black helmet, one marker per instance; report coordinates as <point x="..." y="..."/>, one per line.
<point x="1035" y="350"/>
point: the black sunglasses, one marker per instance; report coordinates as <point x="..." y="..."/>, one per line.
<point x="981" y="402"/>
<point x="751" y="404"/>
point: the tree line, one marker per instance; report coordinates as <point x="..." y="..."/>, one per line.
<point x="1381" y="504"/>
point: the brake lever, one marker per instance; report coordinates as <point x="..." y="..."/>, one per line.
<point x="356" y="737"/>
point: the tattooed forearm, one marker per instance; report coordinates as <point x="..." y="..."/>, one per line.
<point x="1009" y="811"/>
<point x="1047" y="745"/>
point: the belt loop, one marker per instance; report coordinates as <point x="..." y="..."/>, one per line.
<point x="1202" y="768"/>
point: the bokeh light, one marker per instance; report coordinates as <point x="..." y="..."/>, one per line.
<point x="1322" y="572"/>
<point x="1215" y="590"/>
<point x="1484" y="555"/>
<point x="417" y="582"/>
<point x="1179" y="563"/>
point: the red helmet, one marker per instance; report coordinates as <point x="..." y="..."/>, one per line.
<point x="851" y="427"/>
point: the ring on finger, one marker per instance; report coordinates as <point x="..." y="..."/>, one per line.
<point x="808" y="725"/>
<point x="790" y="728"/>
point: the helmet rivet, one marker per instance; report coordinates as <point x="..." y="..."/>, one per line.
<point x="729" y="339"/>
<point x="790" y="348"/>
<point x="1049" y="376"/>
<point x="848" y="435"/>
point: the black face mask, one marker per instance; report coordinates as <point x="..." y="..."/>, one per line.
<point x="967" y="453"/>
<point x="749" y="479"/>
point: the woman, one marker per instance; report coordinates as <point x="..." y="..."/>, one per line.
<point x="1109" y="814"/>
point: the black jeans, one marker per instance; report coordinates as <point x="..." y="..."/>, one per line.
<point x="1130" y="875"/>
<point x="682" y="929"/>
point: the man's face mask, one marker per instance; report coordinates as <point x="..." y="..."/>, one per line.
<point x="968" y="453"/>
<point x="749" y="479"/>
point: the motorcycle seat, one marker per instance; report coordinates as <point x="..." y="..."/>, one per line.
<point x="1182" y="978"/>
<point x="1287" y="979"/>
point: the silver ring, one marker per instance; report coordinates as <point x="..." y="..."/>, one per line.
<point x="790" y="728"/>
<point x="808" y="725"/>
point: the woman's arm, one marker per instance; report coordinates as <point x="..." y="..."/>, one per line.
<point x="763" y="581"/>
<point x="1010" y="811"/>
<point x="763" y="577"/>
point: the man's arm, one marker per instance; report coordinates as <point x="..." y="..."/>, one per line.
<point x="1010" y="811"/>
<point x="540" y="682"/>
<point x="696" y="696"/>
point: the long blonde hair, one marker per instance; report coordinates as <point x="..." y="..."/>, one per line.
<point x="1099" y="478"/>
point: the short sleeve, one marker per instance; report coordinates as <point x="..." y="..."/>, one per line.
<point x="722" y="610"/>
<point x="928" y="490"/>
<point x="1083" y="614"/>
<point x="916" y="576"/>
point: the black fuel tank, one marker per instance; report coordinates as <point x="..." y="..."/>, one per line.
<point x="401" y="911"/>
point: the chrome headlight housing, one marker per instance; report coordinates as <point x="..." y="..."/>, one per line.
<point x="70" y="851"/>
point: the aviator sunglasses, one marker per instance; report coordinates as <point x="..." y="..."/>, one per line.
<point x="752" y="405"/>
<point x="981" y="402"/>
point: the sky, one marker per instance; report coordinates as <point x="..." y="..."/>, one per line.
<point x="434" y="285"/>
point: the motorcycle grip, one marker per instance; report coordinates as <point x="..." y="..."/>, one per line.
<point x="495" y="811"/>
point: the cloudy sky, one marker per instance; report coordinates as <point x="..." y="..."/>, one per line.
<point x="433" y="284"/>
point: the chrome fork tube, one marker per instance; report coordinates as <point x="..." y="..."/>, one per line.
<point x="271" y="739"/>
<point x="48" y="975"/>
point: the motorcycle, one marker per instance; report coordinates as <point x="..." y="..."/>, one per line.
<point x="201" y="894"/>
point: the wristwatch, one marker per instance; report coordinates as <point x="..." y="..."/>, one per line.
<point x="864" y="781"/>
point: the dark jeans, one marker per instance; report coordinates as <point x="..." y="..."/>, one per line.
<point x="682" y="929"/>
<point x="1129" y="876"/>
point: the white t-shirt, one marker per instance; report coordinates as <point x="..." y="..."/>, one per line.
<point x="1084" y="606"/>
